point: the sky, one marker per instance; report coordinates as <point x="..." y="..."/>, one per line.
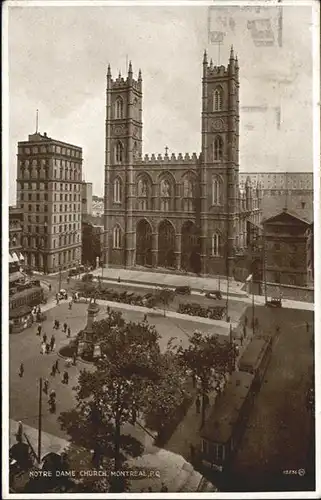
<point x="58" y="58"/>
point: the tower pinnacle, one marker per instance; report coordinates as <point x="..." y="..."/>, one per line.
<point x="232" y="53"/>
<point x="205" y="57"/>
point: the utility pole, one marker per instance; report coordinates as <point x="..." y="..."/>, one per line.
<point x="40" y="419"/>
<point x="59" y="278"/>
<point x="264" y="266"/>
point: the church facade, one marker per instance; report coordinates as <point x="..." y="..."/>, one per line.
<point x="185" y="212"/>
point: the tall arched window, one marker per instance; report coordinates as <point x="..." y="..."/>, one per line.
<point x="218" y="148"/>
<point x="217" y="99"/>
<point x="119" y="152"/>
<point x="216" y="191"/>
<point x="216" y="244"/>
<point x="165" y="194"/>
<point x="119" y="108"/>
<point x="188" y="195"/>
<point x="117" y="237"/>
<point x="117" y="190"/>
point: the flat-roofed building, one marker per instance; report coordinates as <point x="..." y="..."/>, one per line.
<point x="49" y="181"/>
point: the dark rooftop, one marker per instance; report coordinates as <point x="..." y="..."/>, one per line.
<point x="253" y="353"/>
<point x="225" y="412"/>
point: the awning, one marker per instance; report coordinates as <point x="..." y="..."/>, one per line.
<point x="15" y="257"/>
<point x="16" y="276"/>
<point x="10" y="259"/>
<point x="21" y="257"/>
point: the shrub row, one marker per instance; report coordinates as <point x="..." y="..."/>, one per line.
<point x="215" y="312"/>
<point x="147" y="300"/>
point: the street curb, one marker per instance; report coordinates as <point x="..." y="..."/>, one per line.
<point x="161" y="285"/>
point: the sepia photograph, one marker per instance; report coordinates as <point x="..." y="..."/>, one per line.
<point x="161" y="182"/>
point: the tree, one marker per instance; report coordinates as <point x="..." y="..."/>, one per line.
<point x="209" y="360"/>
<point x="165" y="296"/>
<point x="165" y="399"/>
<point x="114" y="393"/>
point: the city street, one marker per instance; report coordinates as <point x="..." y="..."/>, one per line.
<point x="25" y="348"/>
<point x="277" y="435"/>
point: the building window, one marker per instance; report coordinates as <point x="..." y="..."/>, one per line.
<point x="216" y="245"/>
<point x="119" y="152"/>
<point x="142" y="192"/>
<point x="30" y="208"/>
<point x="216" y="195"/>
<point x="117" y="237"/>
<point x="117" y="190"/>
<point x="302" y="204"/>
<point x="165" y="193"/>
<point x="218" y="148"/>
<point x="217" y="99"/>
<point x="119" y="108"/>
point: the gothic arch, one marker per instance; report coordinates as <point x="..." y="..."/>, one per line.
<point x="144" y="191"/>
<point x="117" y="189"/>
<point x="218" y="98"/>
<point x="166" y="244"/>
<point x="218" y="148"/>
<point x="166" y="191"/>
<point x="119" y="107"/>
<point x="190" y="247"/>
<point x="144" y="243"/>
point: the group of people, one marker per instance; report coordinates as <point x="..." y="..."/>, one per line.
<point x="46" y="346"/>
<point x="65" y="328"/>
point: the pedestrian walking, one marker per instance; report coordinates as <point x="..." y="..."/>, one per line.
<point x="74" y="358"/>
<point x="53" y="370"/>
<point x="47" y="348"/>
<point x="65" y="377"/>
<point x="57" y="366"/>
<point x="198" y="404"/>
<point x="44" y="338"/>
<point x="21" y="370"/>
<point x="68" y="332"/>
<point x="52" y="342"/>
<point x="49" y="287"/>
<point x="46" y="386"/>
<point x="39" y="330"/>
<point x="70" y="305"/>
<point x="19" y="432"/>
<point x="65" y="327"/>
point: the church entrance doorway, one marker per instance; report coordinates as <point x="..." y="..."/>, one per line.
<point x="143" y="243"/>
<point x="191" y="260"/>
<point x="166" y="245"/>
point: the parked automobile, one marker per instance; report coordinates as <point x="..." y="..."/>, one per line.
<point x="213" y="294"/>
<point x="274" y="303"/>
<point x="183" y="290"/>
<point x="73" y="272"/>
<point x="87" y="277"/>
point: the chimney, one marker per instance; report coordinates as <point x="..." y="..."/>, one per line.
<point x="45" y="134"/>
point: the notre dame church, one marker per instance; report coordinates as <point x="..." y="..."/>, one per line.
<point x="184" y="212"/>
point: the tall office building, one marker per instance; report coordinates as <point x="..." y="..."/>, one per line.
<point x="49" y="181"/>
